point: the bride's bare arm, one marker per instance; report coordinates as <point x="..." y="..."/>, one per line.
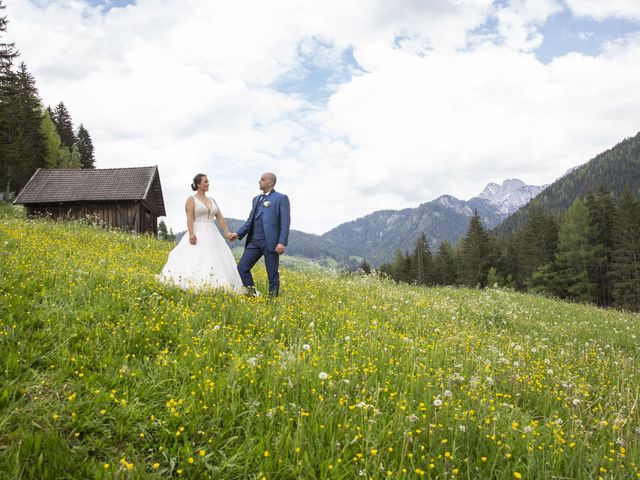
<point x="190" y="209"/>
<point x="223" y="223"/>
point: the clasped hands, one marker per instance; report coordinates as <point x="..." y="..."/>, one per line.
<point x="233" y="236"/>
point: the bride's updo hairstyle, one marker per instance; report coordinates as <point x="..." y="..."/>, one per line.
<point x="196" y="181"/>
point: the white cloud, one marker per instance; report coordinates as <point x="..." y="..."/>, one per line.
<point x="445" y="120"/>
<point x="598" y="9"/>
<point x="188" y="85"/>
<point x="623" y="47"/>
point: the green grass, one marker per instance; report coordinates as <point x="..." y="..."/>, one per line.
<point x="105" y="373"/>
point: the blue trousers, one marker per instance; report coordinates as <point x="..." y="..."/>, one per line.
<point x="252" y="253"/>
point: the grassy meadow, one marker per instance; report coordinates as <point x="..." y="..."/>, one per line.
<point x="107" y="374"/>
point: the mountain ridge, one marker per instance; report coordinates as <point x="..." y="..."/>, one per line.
<point x="614" y="170"/>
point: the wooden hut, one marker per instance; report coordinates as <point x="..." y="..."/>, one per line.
<point x="126" y="198"/>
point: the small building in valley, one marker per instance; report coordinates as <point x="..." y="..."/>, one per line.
<point x="126" y="198"/>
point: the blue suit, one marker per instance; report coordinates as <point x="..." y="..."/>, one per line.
<point x="267" y="226"/>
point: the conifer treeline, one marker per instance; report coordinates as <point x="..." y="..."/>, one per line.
<point x="590" y="254"/>
<point x="32" y="136"/>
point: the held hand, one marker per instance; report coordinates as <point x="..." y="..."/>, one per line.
<point x="280" y="249"/>
<point x="192" y="239"/>
<point x="232" y="236"/>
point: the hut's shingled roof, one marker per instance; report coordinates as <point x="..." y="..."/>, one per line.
<point x="72" y="185"/>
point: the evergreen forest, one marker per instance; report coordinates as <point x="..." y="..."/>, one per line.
<point x="589" y="254"/>
<point x="33" y="136"/>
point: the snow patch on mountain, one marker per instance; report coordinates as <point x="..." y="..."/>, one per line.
<point x="511" y="195"/>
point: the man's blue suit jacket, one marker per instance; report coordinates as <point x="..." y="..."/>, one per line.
<point x="276" y="220"/>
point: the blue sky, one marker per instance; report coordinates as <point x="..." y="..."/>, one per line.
<point x="358" y="105"/>
<point x="316" y="79"/>
<point x="109" y="4"/>
<point x="564" y="33"/>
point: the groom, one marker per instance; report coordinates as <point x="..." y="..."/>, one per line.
<point x="267" y="231"/>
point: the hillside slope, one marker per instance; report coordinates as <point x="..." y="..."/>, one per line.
<point x="109" y="374"/>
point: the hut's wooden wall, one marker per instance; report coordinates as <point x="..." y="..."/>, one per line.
<point x="149" y="220"/>
<point x="129" y="216"/>
<point x="148" y="214"/>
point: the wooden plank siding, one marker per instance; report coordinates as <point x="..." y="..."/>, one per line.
<point x="128" y="216"/>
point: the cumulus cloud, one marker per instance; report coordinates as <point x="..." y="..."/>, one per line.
<point x="623" y="9"/>
<point x="416" y="103"/>
<point x="450" y="117"/>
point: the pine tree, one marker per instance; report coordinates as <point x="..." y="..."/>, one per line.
<point x="71" y="157"/>
<point x="85" y="144"/>
<point x="422" y="263"/>
<point x="477" y="254"/>
<point x="8" y="52"/>
<point x="625" y="266"/>
<point x="405" y="268"/>
<point x="400" y="268"/>
<point x="75" y="158"/>
<point x="601" y="219"/>
<point x="26" y="150"/>
<point x="364" y="267"/>
<point x="64" y="125"/>
<point x="32" y="142"/>
<point x="65" y="161"/>
<point x="445" y="265"/>
<point x="509" y="263"/>
<point x="494" y="279"/>
<point x="537" y="242"/>
<point x="548" y="279"/>
<point x="162" y="230"/>
<point x="386" y="270"/>
<point x="8" y="129"/>
<point x="55" y="153"/>
<point x="8" y="87"/>
<point x="575" y="254"/>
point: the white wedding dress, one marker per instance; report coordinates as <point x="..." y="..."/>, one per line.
<point x="207" y="264"/>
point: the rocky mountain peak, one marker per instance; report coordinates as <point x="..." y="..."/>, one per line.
<point x="511" y="195"/>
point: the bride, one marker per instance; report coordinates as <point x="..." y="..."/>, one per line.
<point x="202" y="258"/>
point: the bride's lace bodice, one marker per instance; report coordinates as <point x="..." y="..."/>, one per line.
<point x="202" y="213"/>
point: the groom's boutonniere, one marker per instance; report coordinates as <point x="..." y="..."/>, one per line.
<point x="267" y="204"/>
